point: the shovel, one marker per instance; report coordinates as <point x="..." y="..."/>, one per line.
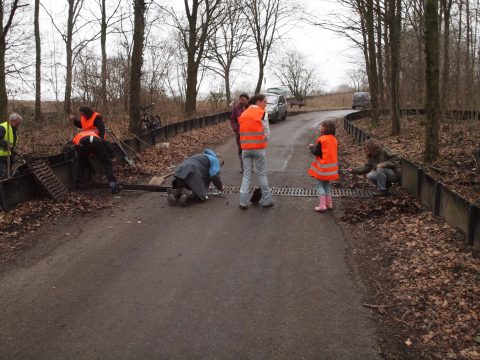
<point x="119" y="144"/>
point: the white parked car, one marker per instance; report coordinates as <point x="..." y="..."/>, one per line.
<point x="277" y="107"/>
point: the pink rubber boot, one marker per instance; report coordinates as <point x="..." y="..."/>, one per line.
<point x="322" y="206"/>
<point x="329" y="202"/>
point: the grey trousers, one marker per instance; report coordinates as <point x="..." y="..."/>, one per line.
<point x="380" y="178"/>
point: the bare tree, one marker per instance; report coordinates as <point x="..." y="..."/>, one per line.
<point x="395" y="24"/>
<point x="229" y="43"/>
<point x="268" y="20"/>
<point x="38" y="64"/>
<point x="358" y="80"/>
<point x="201" y="23"/>
<point x="137" y="62"/>
<point x="296" y="74"/>
<point x="74" y="8"/>
<point x="432" y="74"/>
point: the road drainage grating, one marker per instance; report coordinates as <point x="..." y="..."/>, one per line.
<point x="301" y="192"/>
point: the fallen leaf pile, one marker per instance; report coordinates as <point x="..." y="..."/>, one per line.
<point x="456" y="167"/>
<point x="424" y="283"/>
<point x="29" y="216"/>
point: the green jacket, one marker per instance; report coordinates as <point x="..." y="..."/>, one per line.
<point x="388" y="158"/>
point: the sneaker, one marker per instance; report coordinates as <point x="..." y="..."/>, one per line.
<point x="266" y="206"/>
<point x="243" y="207"/>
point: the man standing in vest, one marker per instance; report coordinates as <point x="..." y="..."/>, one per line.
<point x="236" y="112"/>
<point x="87" y="143"/>
<point x="8" y="140"/>
<point x="254" y="133"/>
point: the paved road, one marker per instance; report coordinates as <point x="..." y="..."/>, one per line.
<point x="211" y="281"/>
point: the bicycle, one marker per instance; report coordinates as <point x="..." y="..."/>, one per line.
<point x="148" y="123"/>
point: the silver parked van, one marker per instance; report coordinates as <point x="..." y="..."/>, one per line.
<point x="361" y="100"/>
<point x="276" y="107"/>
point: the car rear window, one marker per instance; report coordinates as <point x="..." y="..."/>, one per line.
<point x="271" y="99"/>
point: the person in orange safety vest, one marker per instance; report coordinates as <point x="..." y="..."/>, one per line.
<point x="254" y="133"/>
<point x="89" y="121"/>
<point x="88" y="143"/>
<point x="325" y="166"/>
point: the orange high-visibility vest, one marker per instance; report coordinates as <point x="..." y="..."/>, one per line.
<point x="87" y="124"/>
<point x="326" y="167"/>
<point x="82" y="134"/>
<point x="251" y="128"/>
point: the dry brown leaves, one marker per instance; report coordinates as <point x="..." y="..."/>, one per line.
<point x="29" y="216"/>
<point x="456" y="166"/>
<point x="425" y="284"/>
<point x="160" y="159"/>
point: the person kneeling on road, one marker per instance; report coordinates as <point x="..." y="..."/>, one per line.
<point x="193" y="177"/>
<point x="87" y="143"/>
<point x="382" y="166"/>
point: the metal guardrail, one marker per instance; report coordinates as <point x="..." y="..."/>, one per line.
<point x="456" y="210"/>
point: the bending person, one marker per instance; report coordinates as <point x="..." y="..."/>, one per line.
<point x="193" y="177"/>
<point x="382" y="166"/>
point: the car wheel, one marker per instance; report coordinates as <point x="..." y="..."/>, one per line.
<point x="284" y="116"/>
<point x="273" y="119"/>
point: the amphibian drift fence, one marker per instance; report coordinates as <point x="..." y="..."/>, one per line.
<point x="457" y="211"/>
<point x="25" y="187"/>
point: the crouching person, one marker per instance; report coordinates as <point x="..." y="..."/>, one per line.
<point x="87" y="143"/>
<point x="382" y="166"/>
<point x="193" y="177"/>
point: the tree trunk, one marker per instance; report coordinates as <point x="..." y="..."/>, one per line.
<point x="261" y="69"/>
<point x="137" y="61"/>
<point x="228" y="95"/>
<point x="103" y="44"/>
<point x="432" y="106"/>
<point x="373" y="73"/>
<point x="38" y="64"/>
<point x="459" y="57"/>
<point x="191" y="92"/>
<point x="395" y="28"/>
<point x="69" y="69"/>
<point x="381" y="84"/>
<point x="446" y="7"/>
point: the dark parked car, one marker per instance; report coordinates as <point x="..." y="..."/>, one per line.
<point x="361" y="100"/>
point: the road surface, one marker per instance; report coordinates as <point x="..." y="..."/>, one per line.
<point x="149" y="281"/>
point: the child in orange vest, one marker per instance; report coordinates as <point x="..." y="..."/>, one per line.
<point x="325" y="166"/>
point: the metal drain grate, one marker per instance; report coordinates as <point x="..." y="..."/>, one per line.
<point x="300" y="192"/>
<point x="47" y="180"/>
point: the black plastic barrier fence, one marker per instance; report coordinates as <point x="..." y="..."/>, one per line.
<point x="24" y="188"/>
<point x="457" y="211"/>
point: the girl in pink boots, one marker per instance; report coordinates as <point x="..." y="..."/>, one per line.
<point x="325" y="166"/>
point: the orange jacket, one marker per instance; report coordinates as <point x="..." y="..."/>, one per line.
<point x="326" y="167"/>
<point x="82" y="134"/>
<point x="251" y="129"/>
<point x="87" y="123"/>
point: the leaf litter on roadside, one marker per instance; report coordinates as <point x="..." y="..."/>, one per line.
<point x="424" y="281"/>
